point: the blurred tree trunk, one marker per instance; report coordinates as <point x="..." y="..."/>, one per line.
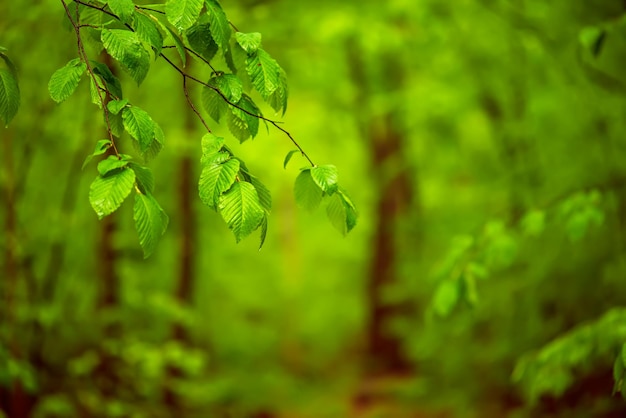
<point x="107" y="256"/>
<point x="108" y="297"/>
<point x="187" y="240"/>
<point x="13" y="400"/>
<point x="383" y="133"/>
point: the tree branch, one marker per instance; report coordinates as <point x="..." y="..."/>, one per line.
<point x="186" y="76"/>
<point x="83" y="56"/>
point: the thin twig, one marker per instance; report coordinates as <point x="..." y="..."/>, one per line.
<point x="191" y="51"/>
<point x="276" y="124"/>
<point x="192" y="105"/>
<point x="83" y="55"/>
<point x="186" y="76"/>
<point x="151" y="10"/>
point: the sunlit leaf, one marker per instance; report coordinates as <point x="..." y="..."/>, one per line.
<point x="341" y="212"/>
<point x="220" y="27"/>
<point x="264" y="72"/>
<point x="150" y="222"/>
<point x="101" y="147"/>
<point x="115" y="106"/>
<point x="307" y="193"/>
<point x="249" y="42"/>
<point x="211" y="145"/>
<point x="241" y="120"/>
<point x="326" y="177"/>
<point x="288" y="157"/>
<point x="125" y="46"/>
<point x="139" y="125"/>
<point x="241" y="209"/>
<point x="110" y="164"/>
<point x="215" y="179"/>
<point x="183" y="13"/>
<point x="148" y="31"/>
<point x="265" y="197"/>
<point x="122" y="8"/>
<point x="65" y="80"/>
<point x="9" y="95"/>
<point x="107" y="193"/>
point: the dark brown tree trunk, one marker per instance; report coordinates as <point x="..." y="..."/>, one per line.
<point x="108" y="297"/>
<point x="14" y="401"/>
<point x="394" y="190"/>
<point x="394" y="196"/>
<point x="187" y="239"/>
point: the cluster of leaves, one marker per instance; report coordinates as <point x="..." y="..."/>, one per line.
<point x="553" y="368"/>
<point x="9" y="89"/>
<point x="474" y="258"/>
<point x="134" y="35"/>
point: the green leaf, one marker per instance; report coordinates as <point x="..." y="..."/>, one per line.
<point x="143" y="177"/>
<point x="264" y="73"/>
<point x="249" y="42"/>
<point x="115" y="106"/>
<point x="263" y="232"/>
<point x="240" y="121"/>
<point x="150" y="222"/>
<point x="122" y="8"/>
<point x="288" y="157"/>
<point x="117" y="124"/>
<point x="230" y="86"/>
<point x="183" y="13"/>
<point x="238" y="65"/>
<point x="278" y="99"/>
<point x="341" y="212"/>
<point x="101" y="147"/>
<point x="107" y="193"/>
<point x="139" y="125"/>
<point x="9" y="95"/>
<point x="325" y="176"/>
<point x="148" y="31"/>
<point x="211" y="145"/>
<point x="220" y="27"/>
<point x="307" y="193"/>
<point x="180" y="47"/>
<point x="212" y="102"/>
<point x="265" y="197"/>
<point x="125" y="46"/>
<point x="156" y="145"/>
<point x="241" y="209"/>
<point x="110" y="164"/>
<point x="112" y="82"/>
<point x="201" y="41"/>
<point x="446" y="297"/>
<point x="96" y="90"/>
<point x="215" y="179"/>
<point x="65" y="80"/>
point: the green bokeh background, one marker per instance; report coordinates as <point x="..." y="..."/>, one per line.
<point x="449" y="122"/>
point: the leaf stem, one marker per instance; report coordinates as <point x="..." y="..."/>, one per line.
<point x="191" y="105"/>
<point x="83" y="56"/>
<point x="186" y="76"/>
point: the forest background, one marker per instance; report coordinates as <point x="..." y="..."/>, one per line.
<point x="483" y="143"/>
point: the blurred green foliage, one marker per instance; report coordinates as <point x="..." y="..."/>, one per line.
<point x="483" y="143"/>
